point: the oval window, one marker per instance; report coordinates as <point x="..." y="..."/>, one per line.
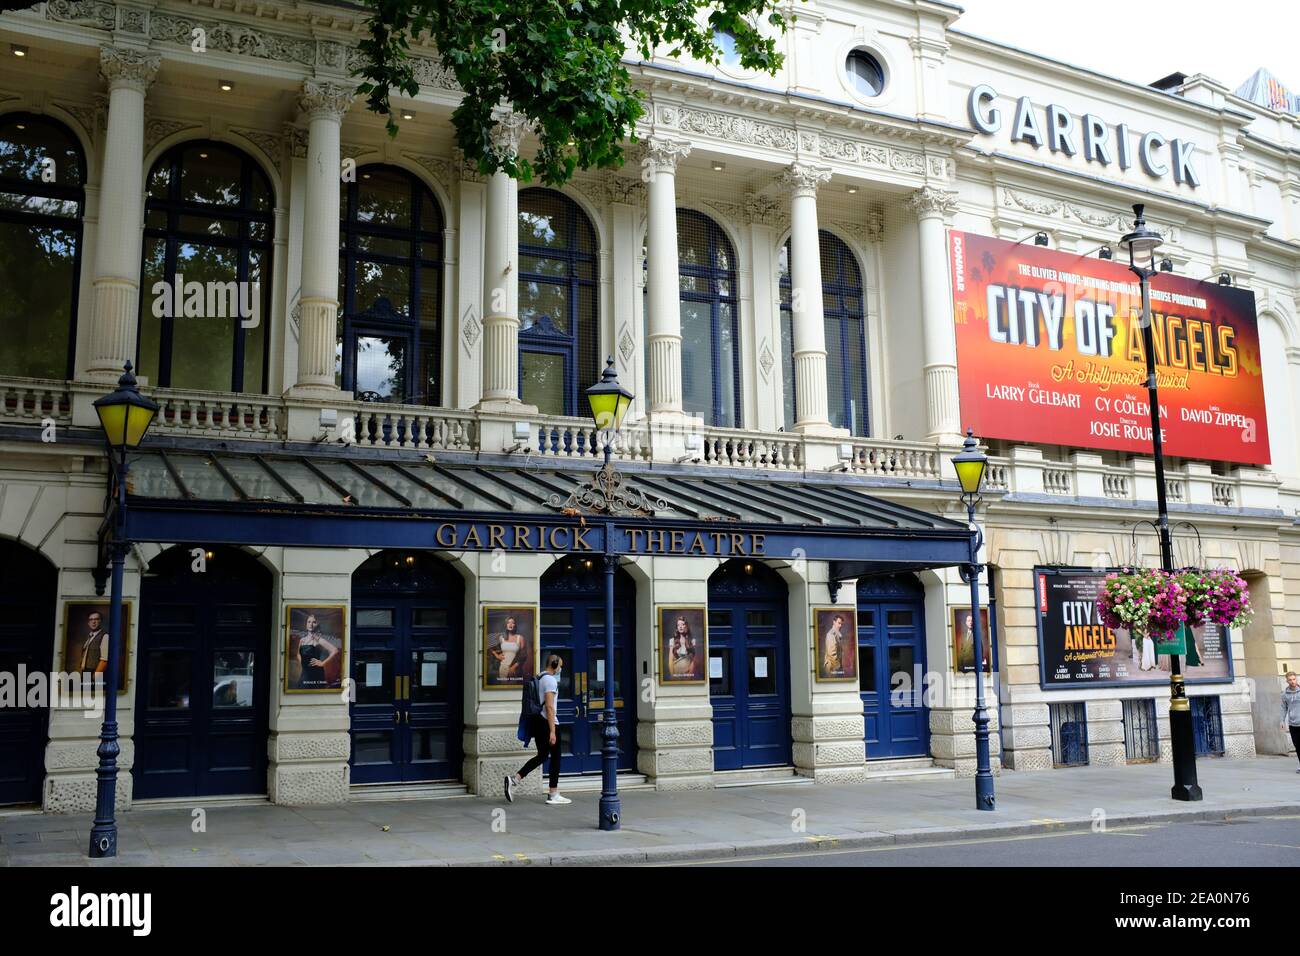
<point x="725" y="41"/>
<point x="865" y="73"/>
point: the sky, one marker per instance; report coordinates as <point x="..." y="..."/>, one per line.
<point x="1142" y="41"/>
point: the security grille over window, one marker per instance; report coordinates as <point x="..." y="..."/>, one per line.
<point x="390" y="282"/>
<point x="558" y="340"/>
<point x="1141" y="734"/>
<point x="209" y="218"/>
<point x="41" y="203"/>
<point x="1207" y="726"/>
<point x="710" y="320"/>
<point x="1069" y="734"/>
<point x="846" y="337"/>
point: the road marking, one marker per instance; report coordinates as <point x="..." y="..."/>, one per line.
<point x="1115" y="831"/>
<point x="1285" y="846"/>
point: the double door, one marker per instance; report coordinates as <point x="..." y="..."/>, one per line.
<point x="749" y="685"/>
<point x="203" y="681"/>
<point x="406" y="708"/>
<point x="891" y="669"/>
<point x="28" y="592"/>
<point x="575" y="630"/>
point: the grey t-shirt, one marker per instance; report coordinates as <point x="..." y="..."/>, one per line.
<point x="547" y="684"/>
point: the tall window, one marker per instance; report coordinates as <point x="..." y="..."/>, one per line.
<point x="209" y="218"/>
<point x="558" y="342"/>
<point x="390" y="279"/>
<point x="42" y="173"/>
<point x="710" y="320"/>
<point x="846" y="337"/>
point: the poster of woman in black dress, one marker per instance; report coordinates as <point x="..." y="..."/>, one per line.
<point x="314" y="648"/>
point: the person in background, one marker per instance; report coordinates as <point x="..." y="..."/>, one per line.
<point x="1291" y="710"/>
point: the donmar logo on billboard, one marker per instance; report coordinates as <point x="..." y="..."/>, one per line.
<point x="1049" y="349"/>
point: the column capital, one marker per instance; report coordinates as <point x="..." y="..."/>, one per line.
<point x="663" y="153"/>
<point x="802" y="179"/>
<point x="325" y="100"/>
<point x="929" y="202"/>
<point x="508" y="131"/>
<point x="128" y="69"/>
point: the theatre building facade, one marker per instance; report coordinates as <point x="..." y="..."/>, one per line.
<point x="365" y="511"/>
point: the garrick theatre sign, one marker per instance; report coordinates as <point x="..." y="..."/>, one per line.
<point x="561" y="539"/>
<point x="1099" y="141"/>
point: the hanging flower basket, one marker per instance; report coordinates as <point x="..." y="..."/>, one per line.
<point x="1146" y="603"/>
<point x="1217" y="595"/>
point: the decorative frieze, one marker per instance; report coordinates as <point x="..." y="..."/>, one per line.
<point x="225" y="37"/>
<point x="429" y="71"/>
<point x="729" y="127"/>
<point x="96" y="13"/>
<point x="1089" y="216"/>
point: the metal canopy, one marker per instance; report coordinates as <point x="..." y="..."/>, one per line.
<point x="180" y="495"/>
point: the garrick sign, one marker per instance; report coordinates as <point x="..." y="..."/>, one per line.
<point x="475" y="536"/>
<point x="1097" y="140"/>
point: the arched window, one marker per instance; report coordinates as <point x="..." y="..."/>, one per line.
<point x="558" y="342"/>
<point x="205" y="291"/>
<point x="42" y="174"/>
<point x="846" y="337"/>
<point x="390" y="280"/>
<point x="710" y="320"/>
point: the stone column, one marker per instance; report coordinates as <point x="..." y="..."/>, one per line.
<point x="664" y="376"/>
<point x="501" y="272"/>
<point x="806" y="298"/>
<point x="116" y="282"/>
<point x="932" y="207"/>
<point x="323" y="105"/>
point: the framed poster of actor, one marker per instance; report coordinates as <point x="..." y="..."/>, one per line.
<point x="85" y="639"/>
<point x="509" y="645"/>
<point x="313" y="648"/>
<point x="683" y="644"/>
<point x="963" y="641"/>
<point x="835" y="643"/>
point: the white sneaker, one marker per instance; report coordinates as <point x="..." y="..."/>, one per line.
<point x="556" y="799"/>
<point x="510" y="788"/>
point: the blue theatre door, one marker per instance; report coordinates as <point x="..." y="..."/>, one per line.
<point x="202" y="675"/>
<point x="749" y="678"/>
<point x="406" y="669"/>
<point x="28" y="594"/>
<point x="573" y="626"/>
<point x="891" y="642"/>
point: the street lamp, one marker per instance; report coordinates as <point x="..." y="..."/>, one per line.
<point x="609" y="402"/>
<point x="970" y="464"/>
<point x="125" y="416"/>
<point x="1141" y="244"/>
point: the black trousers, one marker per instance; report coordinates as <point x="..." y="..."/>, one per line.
<point x="1295" y="738"/>
<point x="541" y="731"/>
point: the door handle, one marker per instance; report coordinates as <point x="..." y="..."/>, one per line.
<point x="397" y="688"/>
<point x="406" y="687"/>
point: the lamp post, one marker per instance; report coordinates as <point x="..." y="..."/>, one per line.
<point x="970" y="464"/>
<point x="125" y="415"/>
<point x="609" y="402"/>
<point x="1141" y="244"/>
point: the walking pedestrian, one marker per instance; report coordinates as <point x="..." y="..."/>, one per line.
<point x="1291" y="710"/>
<point x="542" y="727"/>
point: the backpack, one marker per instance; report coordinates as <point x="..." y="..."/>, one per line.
<point x="529" y="705"/>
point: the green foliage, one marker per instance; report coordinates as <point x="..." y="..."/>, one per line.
<point x="559" y="62"/>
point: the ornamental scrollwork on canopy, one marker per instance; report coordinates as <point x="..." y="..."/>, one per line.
<point x="606" y="494"/>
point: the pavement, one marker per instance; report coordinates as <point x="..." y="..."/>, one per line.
<point x="658" y="827"/>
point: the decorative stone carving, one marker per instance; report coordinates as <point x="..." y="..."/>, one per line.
<point x="129" y="68"/>
<point x="626" y="344"/>
<point x="766" y="360"/>
<point x="332" y="55"/>
<point x="296" y="137"/>
<point x="508" y="130"/>
<point x="133" y="20"/>
<point x="355" y="151"/>
<point x="233" y="38"/>
<point x="268" y="143"/>
<point x="327" y="100"/>
<point x="929" y="201"/>
<point x="663" y="153"/>
<point x="1102" y="220"/>
<point x="157" y="130"/>
<point x="470" y="329"/>
<point x="938" y="167"/>
<point x="730" y="127"/>
<point x="93" y="118"/>
<point x="906" y="161"/>
<point x="429" y="71"/>
<point x="443" y="169"/>
<point x="466" y="168"/>
<point x="766" y="211"/>
<point x="1031" y="203"/>
<point x="623" y="190"/>
<point x="97" y="13"/>
<point x="802" y="179"/>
